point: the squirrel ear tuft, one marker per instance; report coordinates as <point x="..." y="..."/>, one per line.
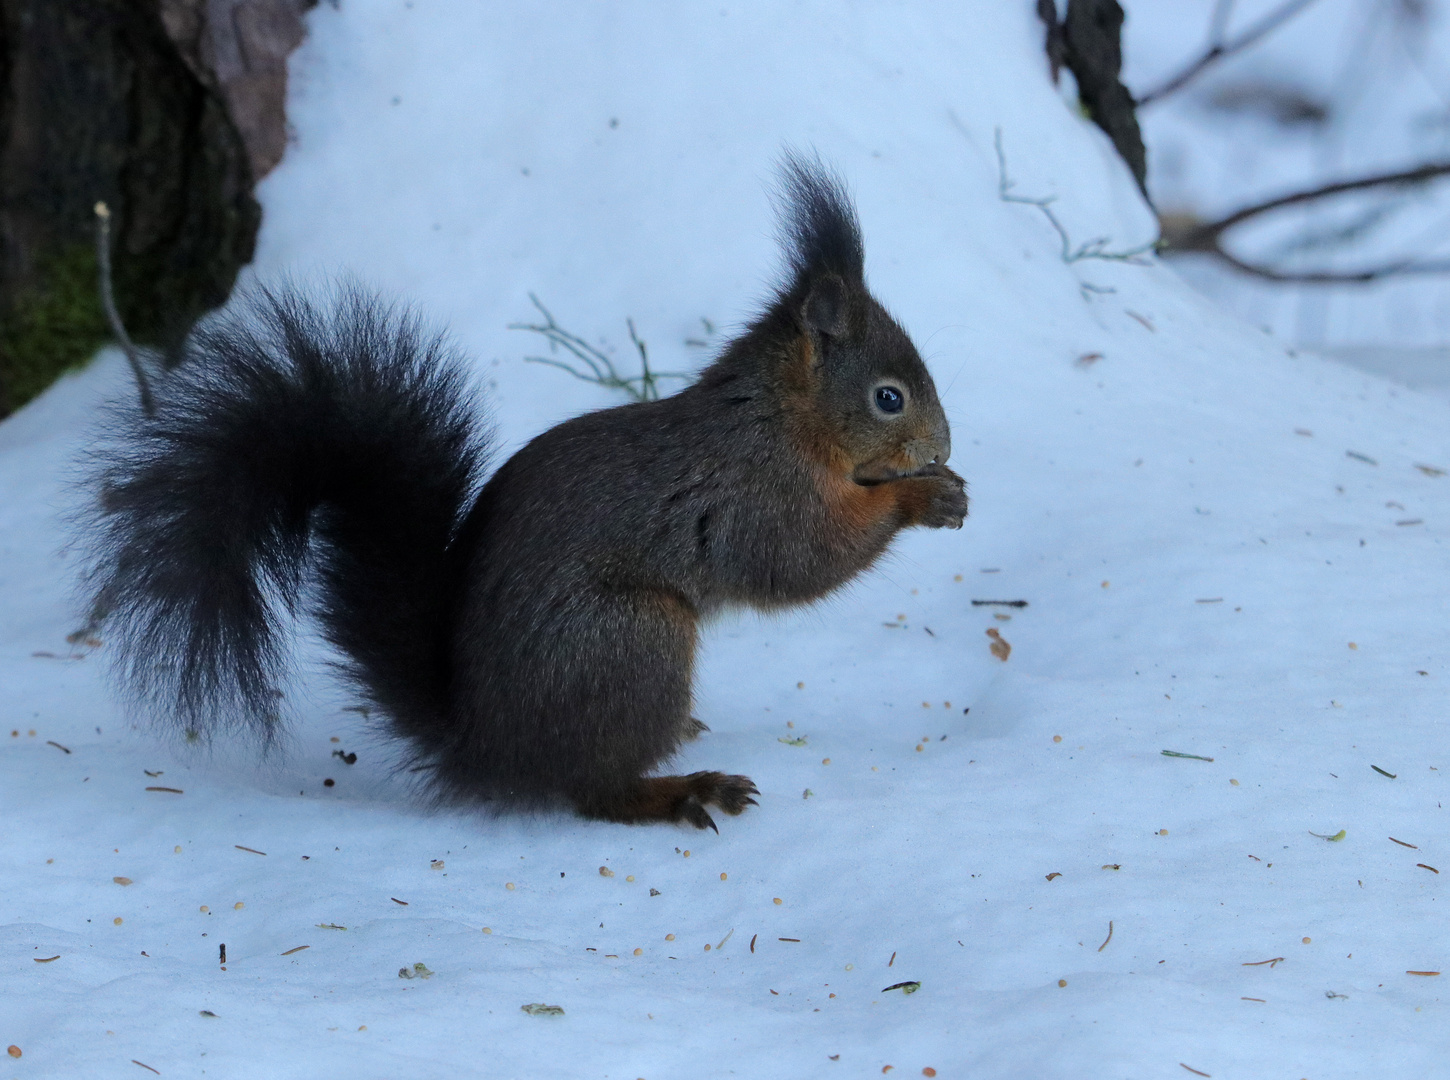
<point x="818" y="226"/>
<point x="827" y="306"/>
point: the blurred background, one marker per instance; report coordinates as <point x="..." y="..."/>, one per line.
<point x="1297" y="153"/>
<point x="1245" y="103"/>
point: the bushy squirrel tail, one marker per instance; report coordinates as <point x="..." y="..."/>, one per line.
<point x="300" y="456"/>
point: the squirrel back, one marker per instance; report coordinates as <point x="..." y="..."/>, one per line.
<point x="538" y="645"/>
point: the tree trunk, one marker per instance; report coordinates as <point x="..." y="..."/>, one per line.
<point x="130" y="102"/>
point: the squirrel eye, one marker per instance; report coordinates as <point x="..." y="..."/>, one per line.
<point x="889" y="399"/>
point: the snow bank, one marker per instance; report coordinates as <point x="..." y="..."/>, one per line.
<point x="1227" y="550"/>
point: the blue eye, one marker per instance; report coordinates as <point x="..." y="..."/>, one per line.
<point x="889" y="399"/>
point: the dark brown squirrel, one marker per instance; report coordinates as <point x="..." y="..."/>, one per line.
<point x="533" y="640"/>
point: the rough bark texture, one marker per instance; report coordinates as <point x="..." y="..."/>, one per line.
<point x="1089" y="44"/>
<point x="98" y="101"/>
<point x="239" y="49"/>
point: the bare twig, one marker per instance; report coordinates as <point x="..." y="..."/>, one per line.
<point x="1193" y="239"/>
<point x="1218" y="21"/>
<point x="1207" y="237"/>
<point x="1107" y="939"/>
<point x="1330" y="277"/>
<point x="1219" y="49"/>
<point x="1092" y="249"/>
<point x="598" y="367"/>
<point x="108" y="301"/>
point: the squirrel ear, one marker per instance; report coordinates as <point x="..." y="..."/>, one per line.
<point x="826" y="306"/>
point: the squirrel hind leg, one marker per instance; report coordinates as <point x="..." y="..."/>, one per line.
<point x="674" y="799"/>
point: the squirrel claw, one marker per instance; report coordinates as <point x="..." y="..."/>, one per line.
<point x="729" y="793"/>
<point x="695" y="813"/>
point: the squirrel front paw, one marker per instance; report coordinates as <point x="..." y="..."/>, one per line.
<point x="946" y="497"/>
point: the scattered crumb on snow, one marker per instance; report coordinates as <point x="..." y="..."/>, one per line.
<point x="1170" y="467"/>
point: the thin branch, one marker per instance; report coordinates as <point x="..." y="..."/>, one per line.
<point x="108" y="301"/>
<point x="647" y="379"/>
<point x="1092" y="249"/>
<point x="1219" y="49"/>
<point x="1405" y="268"/>
<point x="598" y="367"/>
<point x="1218" y="22"/>
<point x="1208" y="238"/>
<point x="1205" y="237"/>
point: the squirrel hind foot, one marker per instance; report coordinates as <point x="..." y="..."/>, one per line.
<point x="675" y="799"/>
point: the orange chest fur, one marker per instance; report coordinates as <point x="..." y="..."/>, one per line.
<point x="852" y="506"/>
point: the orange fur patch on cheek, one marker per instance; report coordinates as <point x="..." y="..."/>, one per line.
<point x="800" y="376"/>
<point x="885" y="467"/>
<point x="800" y="385"/>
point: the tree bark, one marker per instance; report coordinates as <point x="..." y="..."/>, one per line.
<point x="1089" y="44"/>
<point x="99" y="102"/>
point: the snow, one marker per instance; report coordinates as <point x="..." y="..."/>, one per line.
<point x="1190" y="515"/>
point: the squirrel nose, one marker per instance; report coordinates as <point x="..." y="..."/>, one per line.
<point x="932" y="449"/>
<point x="936" y="447"/>
<point x="943" y="439"/>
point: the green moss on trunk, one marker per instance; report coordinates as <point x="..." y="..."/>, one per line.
<point x="96" y="103"/>
<point x="57" y="324"/>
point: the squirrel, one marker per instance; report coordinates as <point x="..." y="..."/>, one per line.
<point x="531" y="637"/>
